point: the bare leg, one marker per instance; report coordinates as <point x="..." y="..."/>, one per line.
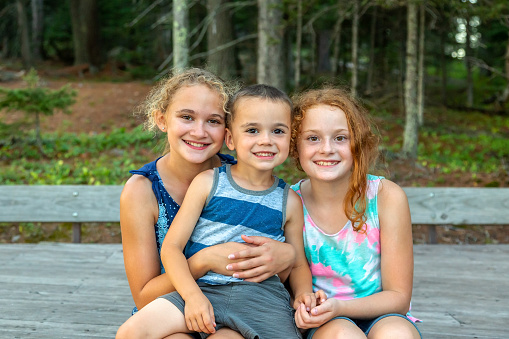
<point x="226" y="333"/>
<point x="338" y="329"/>
<point x="393" y="327"/>
<point x="158" y="319"/>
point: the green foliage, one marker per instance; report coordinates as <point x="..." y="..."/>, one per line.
<point x="463" y="142"/>
<point x="96" y="159"/>
<point x="37" y="100"/>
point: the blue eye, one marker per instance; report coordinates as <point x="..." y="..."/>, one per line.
<point x="214" y="121"/>
<point x="187" y="117"/>
<point x="252" y="130"/>
<point x="278" y="131"/>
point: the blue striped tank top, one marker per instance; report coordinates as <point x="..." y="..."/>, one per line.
<point x="231" y="211"/>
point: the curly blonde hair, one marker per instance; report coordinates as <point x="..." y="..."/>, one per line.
<point x="363" y="143"/>
<point x="160" y="97"/>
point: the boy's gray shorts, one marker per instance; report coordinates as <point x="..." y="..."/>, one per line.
<point x="255" y="310"/>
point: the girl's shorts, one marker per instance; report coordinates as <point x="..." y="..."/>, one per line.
<point x="365" y="324"/>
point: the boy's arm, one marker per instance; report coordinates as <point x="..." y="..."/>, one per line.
<point x="198" y="310"/>
<point x="300" y="277"/>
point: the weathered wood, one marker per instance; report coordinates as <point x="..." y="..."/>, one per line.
<point x="59" y="290"/>
<point x="82" y="203"/>
<point x="66" y="203"/>
<point x="458" y="205"/>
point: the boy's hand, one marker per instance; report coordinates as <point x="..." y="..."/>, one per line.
<point x="318" y="315"/>
<point x="199" y="314"/>
<point x="320" y="297"/>
<point x="308" y="299"/>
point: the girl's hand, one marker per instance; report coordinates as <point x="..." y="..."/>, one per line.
<point x="199" y="314"/>
<point x="319" y="315"/>
<point x="263" y="259"/>
<point x="214" y="258"/>
<point x="306" y="299"/>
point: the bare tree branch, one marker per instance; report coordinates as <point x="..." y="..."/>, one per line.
<point x="482" y="64"/>
<point x="145" y="12"/>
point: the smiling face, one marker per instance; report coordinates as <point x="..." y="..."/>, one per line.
<point x="260" y="132"/>
<point x="195" y="123"/>
<point x="324" y="144"/>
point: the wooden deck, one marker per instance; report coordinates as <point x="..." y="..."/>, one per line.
<point x="57" y="290"/>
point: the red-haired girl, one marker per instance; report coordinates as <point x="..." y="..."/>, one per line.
<point x="357" y="232"/>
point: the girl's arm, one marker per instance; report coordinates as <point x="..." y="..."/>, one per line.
<point x="264" y="258"/>
<point x="396" y="265"/>
<point x="300" y="276"/>
<point x="198" y="311"/>
<point x="138" y="214"/>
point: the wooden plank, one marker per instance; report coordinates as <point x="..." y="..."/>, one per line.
<point x="458" y="205"/>
<point x="66" y="203"/>
<point x="460" y="291"/>
<point x="62" y="290"/>
<point x="82" y="203"/>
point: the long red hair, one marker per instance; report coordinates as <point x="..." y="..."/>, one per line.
<point x="363" y="144"/>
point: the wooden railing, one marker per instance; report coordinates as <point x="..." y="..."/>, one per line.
<point x="79" y="204"/>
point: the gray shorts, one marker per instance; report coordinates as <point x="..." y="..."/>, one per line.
<point x="255" y="310"/>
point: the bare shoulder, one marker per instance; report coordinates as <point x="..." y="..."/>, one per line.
<point x="390" y="191"/>
<point x="203" y="180"/>
<point x="393" y="203"/>
<point x="200" y="187"/>
<point x="293" y="206"/>
<point x="137" y="188"/>
<point x="294" y="200"/>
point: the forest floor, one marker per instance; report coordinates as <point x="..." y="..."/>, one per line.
<point x="103" y="105"/>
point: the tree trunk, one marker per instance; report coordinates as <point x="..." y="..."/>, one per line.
<point x="336" y="41"/>
<point x="371" y="67"/>
<point x="443" y="66"/>
<point x="85" y="31"/>
<point x="420" y="81"/>
<point x="37" y="28"/>
<point x="468" y="64"/>
<point x="324" y="38"/>
<point x="270" y="65"/>
<point x="26" y="54"/>
<point x="162" y="42"/>
<point x="502" y="99"/>
<point x="180" y="34"/>
<point x="355" y="44"/>
<point x="298" y="45"/>
<point x="220" y="32"/>
<point x="401" y="60"/>
<point x="410" y="137"/>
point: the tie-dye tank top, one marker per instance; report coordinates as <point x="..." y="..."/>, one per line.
<point x="345" y="265"/>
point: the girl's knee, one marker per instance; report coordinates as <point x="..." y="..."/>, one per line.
<point x="339" y="329"/>
<point x="393" y="327"/>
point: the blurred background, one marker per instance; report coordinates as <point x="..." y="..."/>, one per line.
<point x="433" y="74"/>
